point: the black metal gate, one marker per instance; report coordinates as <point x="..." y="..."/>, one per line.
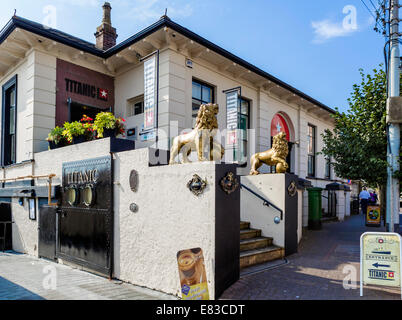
<point x="5" y="227"/>
<point x="331" y="203"/>
<point x="47" y="232"/>
<point x="86" y="215"/>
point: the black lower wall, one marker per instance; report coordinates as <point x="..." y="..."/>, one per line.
<point x="227" y="232"/>
<point x="291" y="219"/>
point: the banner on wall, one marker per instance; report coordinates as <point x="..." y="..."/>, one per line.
<point x="149" y="93"/>
<point x="232" y="120"/>
<point x="193" y="277"/>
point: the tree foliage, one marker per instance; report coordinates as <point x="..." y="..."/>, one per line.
<point x="358" y="144"/>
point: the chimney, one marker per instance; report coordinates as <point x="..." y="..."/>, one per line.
<point x="105" y="34"/>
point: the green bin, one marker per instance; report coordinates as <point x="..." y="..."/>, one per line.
<point x="314" y="208"/>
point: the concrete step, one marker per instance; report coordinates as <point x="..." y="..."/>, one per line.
<point x="249" y="233"/>
<point x="244" y="225"/>
<point x="253" y="257"/>
<point x="255" y="243"/>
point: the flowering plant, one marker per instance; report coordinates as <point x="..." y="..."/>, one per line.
<point x="73" y="129"/>
<point x="106" y="120"/>
<point x="56" y="135"/>
<point x="79" y="128"/>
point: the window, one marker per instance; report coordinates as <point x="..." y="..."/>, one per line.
<point x="9" y="123"/>
<point x="202" y="94"/>
<point x="244" y="119"/>
<point x="311" y="137"/>
<point x="328" y="168"/>
<point x="136" y="106"/>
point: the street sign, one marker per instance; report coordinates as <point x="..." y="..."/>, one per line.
<point x="373" y="216"/>
<point x="380" y="259"/>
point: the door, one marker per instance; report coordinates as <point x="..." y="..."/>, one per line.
<point x="331" y="203"/>
<point x="85" y="221"/>
<point x="47" y="232"/>
<point x="5" y="227"/>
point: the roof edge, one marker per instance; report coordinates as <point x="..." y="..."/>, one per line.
<point x="19" y="22"/>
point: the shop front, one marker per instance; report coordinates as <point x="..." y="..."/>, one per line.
<point x="119" y="209"/>
<point x="81" y="91"/>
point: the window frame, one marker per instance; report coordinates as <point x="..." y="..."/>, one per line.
<point x="248" y="115"/>
<point x="313" y="154"/>
<point x="131" y="105"/>
<point x="202" y="84"/>
<point x="13" y="82"/>
<point x="328" y="167"/>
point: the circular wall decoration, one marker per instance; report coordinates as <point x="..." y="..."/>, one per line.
<point x="72" y="195"/>
<point x="88" y="195"/>
<point x="229" y="183"/>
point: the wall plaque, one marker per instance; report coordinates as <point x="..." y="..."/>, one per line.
<point x="196" y="185"/>
<point x="229" y="183"/>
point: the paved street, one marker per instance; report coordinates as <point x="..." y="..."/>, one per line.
<point x="316" y="271"/>
<point x="27" y="278"/>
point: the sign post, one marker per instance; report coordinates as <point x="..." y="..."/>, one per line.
<point x="380" y="260"/>
<point x="373" y="216"/>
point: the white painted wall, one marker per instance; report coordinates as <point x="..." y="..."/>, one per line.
<point x="271" y="187"/>
<point x="170" y="218"/>
<point x="36" y="102"/>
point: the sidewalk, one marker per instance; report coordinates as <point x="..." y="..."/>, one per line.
<point x="22" y="278"/>
<point x="316" y="271"/>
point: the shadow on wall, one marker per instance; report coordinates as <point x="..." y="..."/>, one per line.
<point x="16" y="292"/>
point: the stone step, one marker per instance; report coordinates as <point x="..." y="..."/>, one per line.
<point x="244" y="225"/>
<point x="249" y="233"/>
<point x="253" y="257"/>
<point x="255" y="243"/>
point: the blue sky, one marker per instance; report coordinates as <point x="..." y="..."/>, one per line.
<point x="303" y="43"/>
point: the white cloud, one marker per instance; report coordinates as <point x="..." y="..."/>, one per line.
<point x="326" y="29"/>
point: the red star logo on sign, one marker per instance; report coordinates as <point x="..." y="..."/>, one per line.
<point x="103" y="94"/>
<point x="232" y="138"/>
<point x="391" y="274"/>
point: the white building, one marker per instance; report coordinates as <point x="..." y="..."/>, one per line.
<point x="49" y="77"/>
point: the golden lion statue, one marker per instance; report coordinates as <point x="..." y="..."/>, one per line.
<point x="203" y="134"/>
<point x="272" y="157"/>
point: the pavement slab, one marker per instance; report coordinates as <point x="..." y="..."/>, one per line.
<point x="317" y="271"/>
<point x="22" y="277"/>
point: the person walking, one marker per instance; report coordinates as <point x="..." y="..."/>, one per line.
<point x="364" y="197"/>
<point x="373" y="198"/>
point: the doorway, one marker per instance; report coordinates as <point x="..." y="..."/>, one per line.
<point x="5" y="227"/>
<point x="77" y="110"/>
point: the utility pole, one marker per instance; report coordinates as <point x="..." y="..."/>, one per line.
<point x="393" y="133"/>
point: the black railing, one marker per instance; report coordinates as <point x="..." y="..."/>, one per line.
<point x="265" y="201"/>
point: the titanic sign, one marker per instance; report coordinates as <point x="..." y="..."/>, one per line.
<point x="87" y="90"/>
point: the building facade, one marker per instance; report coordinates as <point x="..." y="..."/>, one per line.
<point x="49" y="77"/>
